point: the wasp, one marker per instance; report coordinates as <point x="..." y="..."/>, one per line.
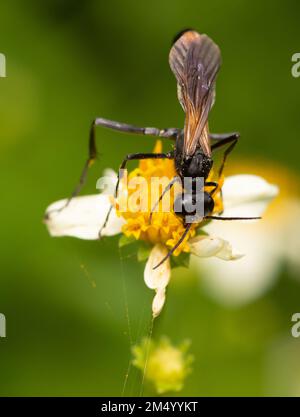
<point x="195" y="61"/>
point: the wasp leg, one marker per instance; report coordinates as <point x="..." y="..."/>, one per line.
<point x="188" y="226"/>
<point x="124" y="127"/>
<point x="131" y="157"/>
<point x="168" y="188"/>
<point x="224" y="139"/>
<point x="231" y="218"/>
<point x="138" y="156"/>
<point x="152" y="131"/>
<point x="211" y="184"/>
<point x="222" y="136"/>
<point x="92" y="155"/>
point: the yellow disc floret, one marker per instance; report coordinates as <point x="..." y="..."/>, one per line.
<point x="165" y="226"/>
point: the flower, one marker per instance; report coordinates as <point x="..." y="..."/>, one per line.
<point x="165" y="227"/>
<point x="157" y="279"/>
<point x="165" y="365"/>
<point x="267" y="243"/>
<point x="83" y="217"/>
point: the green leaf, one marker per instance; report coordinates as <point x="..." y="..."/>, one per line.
<point x="126" y="240"/>
<point x="143" y="252"/>
<point x="181" y="260"/>
<point x="201" y="232"/>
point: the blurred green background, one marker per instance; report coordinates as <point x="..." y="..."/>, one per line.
<point x="67" y="62"/>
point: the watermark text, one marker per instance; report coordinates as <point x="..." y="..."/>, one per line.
<point x="2" y="65"/>
<point x="2" y="325"/>
<point x="295" y="70"/>
<point x="156" y="194"/>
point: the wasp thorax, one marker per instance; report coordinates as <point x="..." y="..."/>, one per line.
<point x="198" y="165"/>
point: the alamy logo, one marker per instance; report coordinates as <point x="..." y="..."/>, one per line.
<point x="2" y="65"/>
<point x="296" y="67"/>
<point x="295" y="330"/>
<point x="2" y="325"/>
<point x="139" y="194"/>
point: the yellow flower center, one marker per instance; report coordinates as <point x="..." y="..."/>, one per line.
<point x="164" y="227"/>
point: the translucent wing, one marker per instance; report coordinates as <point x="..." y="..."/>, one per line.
<point x="195" y="60"/>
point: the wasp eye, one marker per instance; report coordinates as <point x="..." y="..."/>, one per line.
<point x="209" y="203"/>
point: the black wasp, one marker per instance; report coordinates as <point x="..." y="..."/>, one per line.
<point x="195" y="61"/>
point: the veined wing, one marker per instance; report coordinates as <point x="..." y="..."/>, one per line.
<point x="195" y="60"/>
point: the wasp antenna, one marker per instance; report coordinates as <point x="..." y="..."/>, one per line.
<point x="179" y="34"/>
<point x="231" y="218"/>
<point x="176" y="246"/>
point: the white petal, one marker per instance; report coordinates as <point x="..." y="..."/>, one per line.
<point x="265" y="243"/>
<point x="83" y="217"/>
<point x="247" y="195"/>
<point x="239" y="282"/>
<point x="227" y="253"/>
<point x="158" y="302"/>
<point x="107" y="183"/>
<point x="159" y="277"/>
<point x="109" y="172"/>
<point x="207" y="246"/>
